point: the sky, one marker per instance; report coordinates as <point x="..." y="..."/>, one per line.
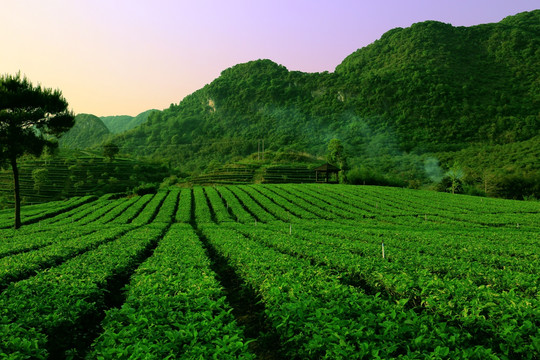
<point x="122" y="57"/>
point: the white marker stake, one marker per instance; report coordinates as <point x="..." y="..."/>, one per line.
<point x="382" y="245"/>
<point x="290" y="225"/>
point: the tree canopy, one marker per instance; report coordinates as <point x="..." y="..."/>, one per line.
<point x="110" y="150"/>
<point x="336" y="154"/>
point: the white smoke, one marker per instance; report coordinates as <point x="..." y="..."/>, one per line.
<point x="433" y="170"/>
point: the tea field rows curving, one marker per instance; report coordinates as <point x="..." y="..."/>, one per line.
<point x="288" y="271"/>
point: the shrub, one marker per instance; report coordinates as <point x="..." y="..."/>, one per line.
<point x="519" y="186"/>
<point x="147" y="188"/>
<point x="366" y="176"/>
<point x="169" y="181"/>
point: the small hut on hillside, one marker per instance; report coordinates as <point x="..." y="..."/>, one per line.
<point x="324" y="173"/>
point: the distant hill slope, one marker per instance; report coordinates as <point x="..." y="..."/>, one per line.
<point x="120" y="123"/>
<point x="429" y="87"/>
<point x="88" y="131"/>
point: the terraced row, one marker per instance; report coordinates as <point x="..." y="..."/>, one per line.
<point x="156" y="276"/>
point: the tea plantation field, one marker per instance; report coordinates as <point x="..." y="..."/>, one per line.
<point x="272" y="272"/>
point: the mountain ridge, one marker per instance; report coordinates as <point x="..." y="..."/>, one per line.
<point x="428" y="88"/>
<point x="257" y="89"/>
<point x="87" y="132"/>
<point x="121" y="123"/>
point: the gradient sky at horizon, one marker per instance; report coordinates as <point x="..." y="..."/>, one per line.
<point x="122" y="57"/>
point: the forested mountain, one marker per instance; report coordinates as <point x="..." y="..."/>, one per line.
<point x="87" y="132"/>
<point x="120" y="123"/>
<point x="91" y="131"/>
<point x="428" y="88"/>
<point x="436" y="83"/>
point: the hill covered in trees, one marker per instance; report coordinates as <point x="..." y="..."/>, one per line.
<point x="120" y="123"/>
<point x="88" y="131"/>
<point x="434" y="83"/>
<point x="415" y="93"/>
<point x="91" y="131"/>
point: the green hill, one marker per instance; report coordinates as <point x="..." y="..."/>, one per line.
<point x="435" y="83"/>
<point x="425" y="91"/>
<point x="91" y="131"/>
<point x="431" y="86"/>
<point x="120" y="123"/>
<point x="87" y="132"/>
<point x="116" y="123"/>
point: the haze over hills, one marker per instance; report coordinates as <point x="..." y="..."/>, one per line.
<point x="427" y="89"/>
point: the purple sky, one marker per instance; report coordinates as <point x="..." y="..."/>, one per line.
<point x="114" y="57"/>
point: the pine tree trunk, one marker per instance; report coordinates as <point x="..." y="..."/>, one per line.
<point x="16" y="192"/>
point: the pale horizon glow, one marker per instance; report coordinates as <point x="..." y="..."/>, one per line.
<point x="119" y="57"/>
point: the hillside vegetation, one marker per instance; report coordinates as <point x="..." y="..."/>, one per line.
<point x="120" y="123"/>
<point x="408" y="108"/>
<point x="435" y="83"/>
<point x="88" y="131"/>
<point x="428" y="89"/>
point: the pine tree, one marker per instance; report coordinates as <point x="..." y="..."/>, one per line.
<point x="31" y="119"/>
